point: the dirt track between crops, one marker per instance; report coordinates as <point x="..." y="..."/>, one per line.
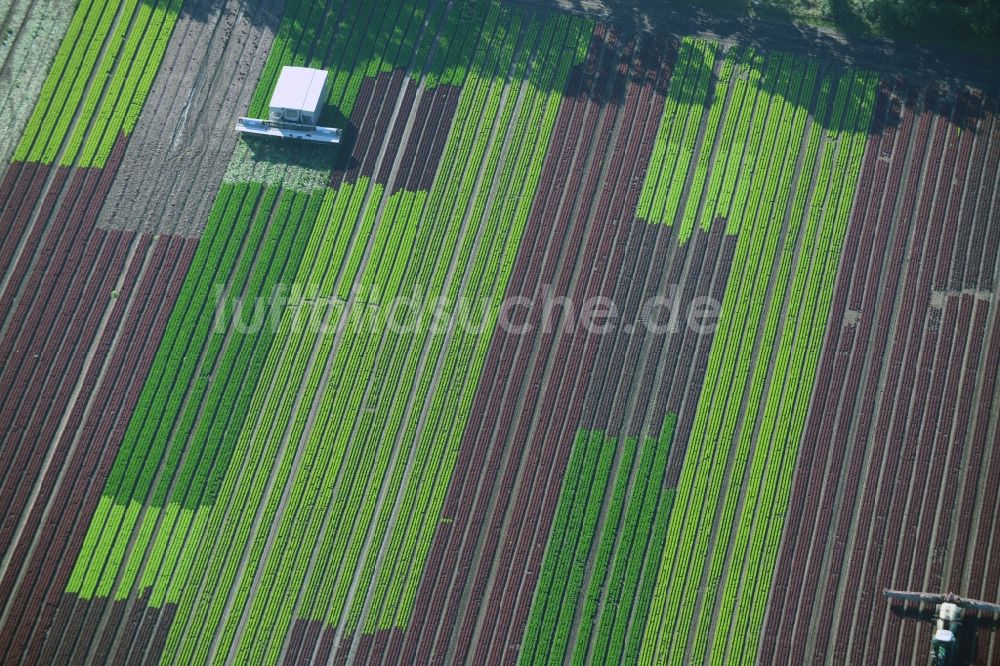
<point x="212" y="64"/>
<point x="913" y="61"/>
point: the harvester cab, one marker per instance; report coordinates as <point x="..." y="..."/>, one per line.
<point x="948" y="612"/>
<point x="945" y="639"/>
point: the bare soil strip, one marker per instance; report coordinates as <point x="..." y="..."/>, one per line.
<point x="211" y="67"/>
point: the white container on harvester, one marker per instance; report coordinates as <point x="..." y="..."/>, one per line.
<point x="298" y="95"/>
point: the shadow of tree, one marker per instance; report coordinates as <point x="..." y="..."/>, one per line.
<point x="767" y="71"/>
<point x="774" y="27"/>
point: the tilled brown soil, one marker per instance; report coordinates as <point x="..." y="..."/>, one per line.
<point x="185" y="134"/>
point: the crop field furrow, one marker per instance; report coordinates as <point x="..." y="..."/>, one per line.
<point x="393" y="647"/>
<point x="627" y="132"/>
<point x="913" y="346"/>
<point x="108" y="255"/>
<point x="607" y="64"/>
<point x="930" y="385"/>
<point x="585" y="342"/>
<point x="591" y="461"/>
<point x="941" y="371"/>
<point x="97" y="551"/>
<point x="882" y="143"/>
<point x="81" y="445"/>
<point x="423" y="154"/>
<point x="64" y="276"/>
<point x="560" y="125"/>
<point x="188" y="115"/>
<point x="638" y="138"/>
<point x="51" y="291"/>
<point x="719" y="422"/>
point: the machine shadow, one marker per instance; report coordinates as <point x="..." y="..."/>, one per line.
<point x="313" y="156"/>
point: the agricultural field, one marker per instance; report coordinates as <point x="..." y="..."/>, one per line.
<point x="586" y="345"/>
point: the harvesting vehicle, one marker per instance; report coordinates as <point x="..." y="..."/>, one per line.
<point x="947" y="616"/>
<point x="295" y="108"/>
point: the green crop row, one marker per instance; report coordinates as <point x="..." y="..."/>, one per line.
<point x="194" y="471"/>
<point x="770" y="329"/>
<point x="405" y="583"/>
<point x="168" y="449"/>
<point x="84" y="22"/>
<point x="100" y="76"/>
<point x="99" y="81"/>
<point x="739" y="322"/>
<point x="429" y="276"/>
<point x="651" y="186"/>
<point x="313" y="461"/>
<point x="635" y="566"/>
<point x="134" y="87"/>
<point x="603" y="560"/>
<point x="306" y="502"/>
<point x="647" y="583"/>
<point x="611" y="610"/>
<point x="343" y="543"/>
<point x="186" y="332"/>
<point x="741" y="102"/>
<point x="681" y="153"/>
<point x="225" y="407"/>
<point x="355" y="40"/>
<point x="367" y="361"/>
<point x="789" y="111"/>
<point x="215" y="246"/>
<point x="755" y="104"/>
<point x="791" y="402"/>
<point x="575" y="552"/>
<point x="719" y="95"/>
<point x="67" y="79"/>
<point x="642" y="566"/>
<point x="213" y="348"/>
<point x="675" y="144"/>
<point x="467" y="353"/>
<point x="159" y="442"/>
<point x="562" y="572"/>
<point x="581" y="458"/>
<point x="257" y="445"/>
<point x="742" y="447"/>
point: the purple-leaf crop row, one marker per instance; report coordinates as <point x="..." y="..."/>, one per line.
<point x="852" y="479"/>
